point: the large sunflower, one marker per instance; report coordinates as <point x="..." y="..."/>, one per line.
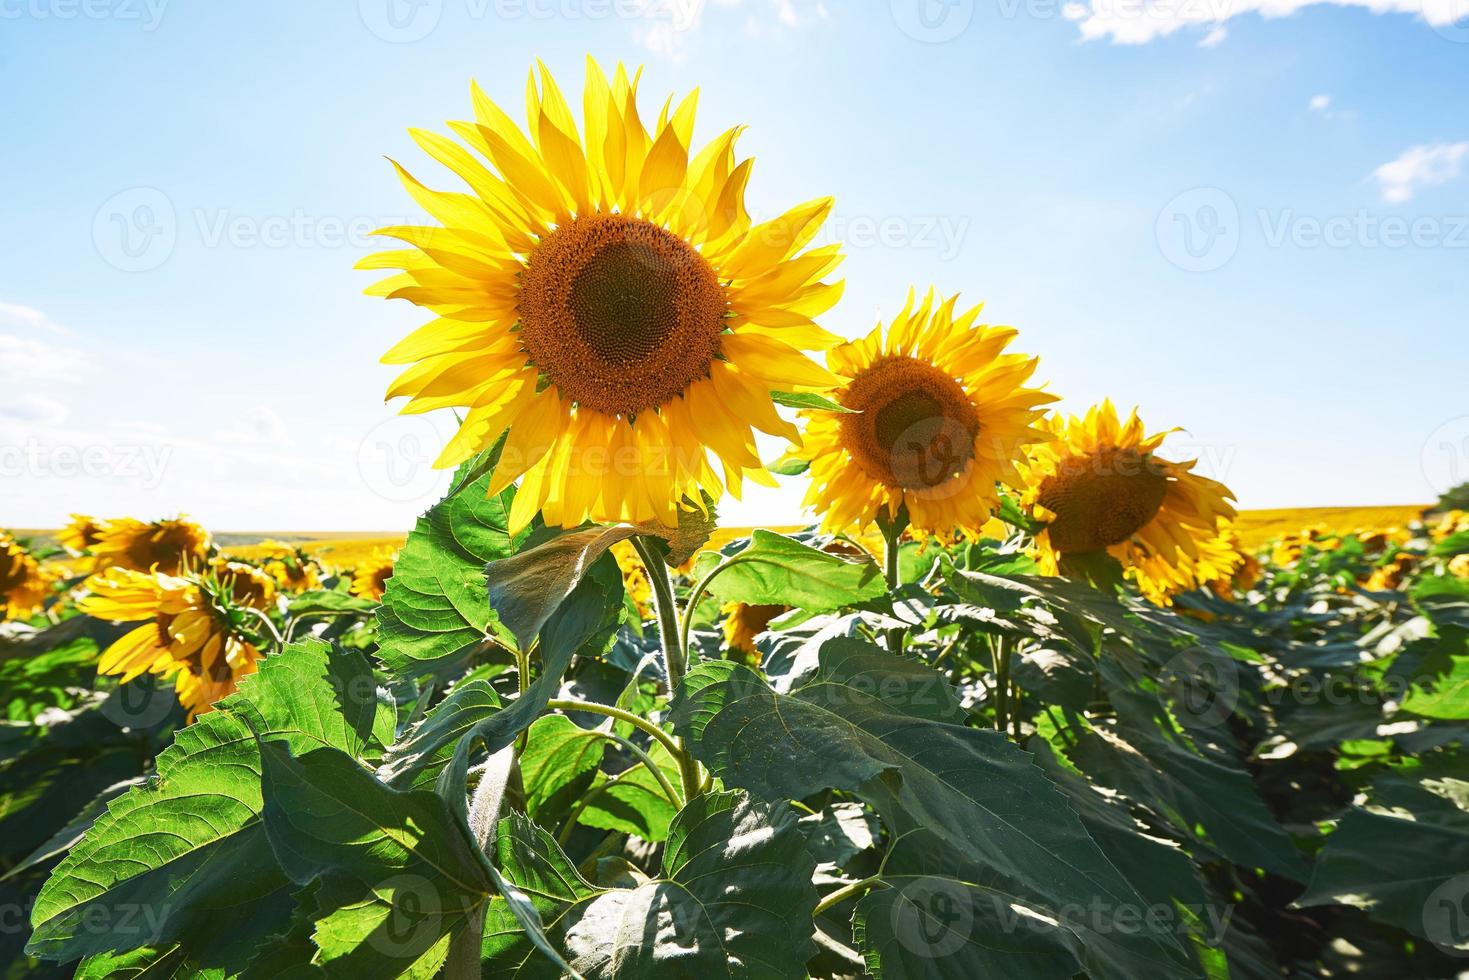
<point x="603" y="297"/>
<point x="939" y="416"/>
<point x="195" y="630"/>
<point x="167" y="546"/>
<point x="1101" y="486"/>
<point x="743" y="623"/>
<point x="24" y="584"/>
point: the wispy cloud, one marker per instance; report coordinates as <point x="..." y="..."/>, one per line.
<point x="1420" y="166"/>
<point x="1147" y="20"/>
<point x="1320" y="103"/>
<point x="666" y="26"/>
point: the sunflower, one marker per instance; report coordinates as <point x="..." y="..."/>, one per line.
<point x="742" y="624"/>
<point x="938" y="415"/>
<point x="1390" y="575"/>
<point x="602" y="296"/>
<point x="1101" y="486"/>
<point x="24" y="584"/>
<point x="81" y="533"/>
<point x="1225" y="565"/>
<point x="167" y="546"/>
<point x="635" y="578"/>
<point x="1449" y="523"/>
<point x="195" y="632"/>
<point x="1459" y="565"/>
<point x="370" y="577"/>
<point x="293" y="569"/>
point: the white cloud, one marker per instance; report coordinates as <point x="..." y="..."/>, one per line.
<point x="1420" y="166"/>
<point x="1320" y="103"/>
<point x="1215" y="37"/>
<point x="258" y="426"/>
<point x="26" y="359"/>
<point x="34" y="409"/>
<point x="30" y="318"/>
<point x="1141" y="21"/>
<point x="667" y="25"/>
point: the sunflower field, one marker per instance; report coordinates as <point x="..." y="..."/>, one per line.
<point x="1020" y="704"/>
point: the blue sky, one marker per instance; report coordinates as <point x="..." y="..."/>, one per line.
<point x="1256" y="229"/>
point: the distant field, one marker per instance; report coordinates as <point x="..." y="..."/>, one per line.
<point x="344" y="549"/>
<point x="1260" y="526"/>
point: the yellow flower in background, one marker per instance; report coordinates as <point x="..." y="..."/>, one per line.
<point x="742" y="624"/>
<point x="167" y="546"/>
<point x="602" y="295"/>
<point x="1459" y="565"/>
<point x="293" y="569"/>
<point x="370" y="577"/>
<point x="1102" y="487"/>
<point x="81" y="533"/>
<point x="1392" y="573"/>
<point x="939" y="416"/>
<point x="24" y="584"/>
<point x="1226" y="565"/>
<point x="635" y="577"/>
<point x="1375" y="541"/>
<point x="195" y="631"/>
<point x="1449" y="523"/>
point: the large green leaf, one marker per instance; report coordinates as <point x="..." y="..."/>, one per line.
<point x="776" y="570"/>
<point x="436" y="605"/>
<point x="558" y="766"/>
<point x="414" y="762"/>
<point x="169" y="861"/>
<point x="733" y="899"/>
<point x="1404" y="858"/>
<point x="398" y="877"/>
<point x="634" y="801"/>
<point x="973" y="795"/>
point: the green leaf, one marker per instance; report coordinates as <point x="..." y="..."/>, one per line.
<point x="1404" y="857"/>
<point x="809" y="401"/>
<point x="974" y="796"/>
<point x="634" y="802"/>
<point x="398" y="877"/>
<point x="1452" y="546"/>
<point x="733" y="899"/>
<point x="526" y="589"/>
<point x="415" y="761"/>
<point x="789" y="466"/>
<point x="776" y="570"/>
<point x="173" y="859"/>
<point x="558" y="766"/>
<point x="325" y="601"/>
<point x="931" y="922"/>
<point x="167" y="963"/>
<point x="436" y="606"/>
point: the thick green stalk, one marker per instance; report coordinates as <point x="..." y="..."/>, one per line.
<point x="673" y="653"/>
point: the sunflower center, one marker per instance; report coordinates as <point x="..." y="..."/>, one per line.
<point x="620" y="314"/>
<point x="1102" y="499"/>
<point x="917" y="427"/>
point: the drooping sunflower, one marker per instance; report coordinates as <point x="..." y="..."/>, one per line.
<point x="602" y="295"/>
<point x="24" y="584"/>
<point x="742" y="624"/>
<point x="1226" y="565"/>
<point x="370" y="577"/>
<point x="1101" y="486"/>
<point x="195" y="630"/>
<point x="939" y="415"/>
<point x="81" y="533"/>
<point x="167" y="546"/>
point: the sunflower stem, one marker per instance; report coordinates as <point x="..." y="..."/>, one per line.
<point x="673" y="653"/>
<point x="698" y="594"/>
<point x="1002" y="684"/>
<point x="892" y="534"/>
